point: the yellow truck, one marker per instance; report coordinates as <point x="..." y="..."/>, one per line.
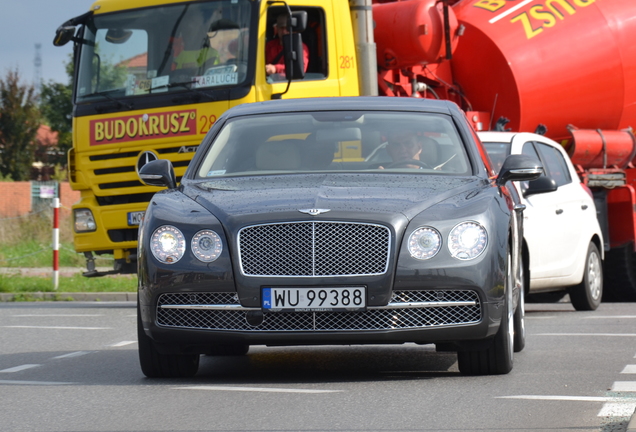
<point x="152" y="77"/>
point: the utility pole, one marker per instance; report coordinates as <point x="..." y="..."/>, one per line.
<point x="37" y="63"/>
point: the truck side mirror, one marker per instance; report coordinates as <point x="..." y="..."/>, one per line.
<point x="63" y="35"/>
<point x="298" y="21"/>
<point x="541" y="185"/>
<point x="158" y="173"/>
<point x="294" y="58"/>
<point x="519" y="168"/>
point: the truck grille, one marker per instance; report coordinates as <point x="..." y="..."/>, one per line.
<point x="115" y="174"/>
<point x="187" y="310"/>
<point x="314" y="249"/>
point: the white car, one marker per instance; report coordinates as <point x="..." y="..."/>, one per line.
<point x="563" y="243"/>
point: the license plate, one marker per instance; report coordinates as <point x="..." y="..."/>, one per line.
<point x="319" y="299"/>
<point x="134" y="218"/>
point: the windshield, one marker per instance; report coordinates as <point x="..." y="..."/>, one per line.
<point x="418" y="143"/>
<point x="174" y="48"/>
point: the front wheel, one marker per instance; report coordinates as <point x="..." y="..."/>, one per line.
<point x="587" y="295"/>
<point x="157" y="365"/>
<point x="498" y="357"/>
<point x="520" y="323"/>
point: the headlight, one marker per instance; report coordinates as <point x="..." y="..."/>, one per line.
<point x="467" y="240"/>
<point x="424" y="243"/>
<point x="84" y="220"/>
<point x="207" y="246"/>
<point x="167" y="244"/>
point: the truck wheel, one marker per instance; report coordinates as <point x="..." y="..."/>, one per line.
<point x="157" y="365"/>
<point x="498" y="357"/>
<point x="620" y="275"/>
<point x="587" y="295"/>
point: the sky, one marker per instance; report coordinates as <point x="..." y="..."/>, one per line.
<point x="25" y="23"/>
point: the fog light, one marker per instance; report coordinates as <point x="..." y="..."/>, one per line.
<point x="84" y="220"/>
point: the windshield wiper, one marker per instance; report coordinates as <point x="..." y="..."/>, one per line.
<point x="106" y="95"/>
<point x="184" y="84"/>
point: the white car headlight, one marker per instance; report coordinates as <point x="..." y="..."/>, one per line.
<point x="467" y="240"/>
<point x="424" y="243"/>
<point x="167" y="244"/>
<point x="207" y="246"/>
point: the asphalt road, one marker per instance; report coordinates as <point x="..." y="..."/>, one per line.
<point x="73" y="367"/>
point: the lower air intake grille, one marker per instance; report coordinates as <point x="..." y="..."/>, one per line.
<point x="372" y="319"/>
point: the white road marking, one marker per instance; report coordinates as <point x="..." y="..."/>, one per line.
<point x="561" y="398"/>
<point x="588" y="334"/>
<point x="73" y="354"/>
<point x="255" y="389"/>
<point x="629" y="369"/>
<point x="613" y="406"/>
<point x="624" y="386"/>
<point x="509" y="11"/>
<point x="35" y="382"/>
<point x="617" y="410"/>
<point x="19" y="368"/>
<point x="58" y="328"/>
<point x="123" y="343"/>
<point x="611" y="317"/>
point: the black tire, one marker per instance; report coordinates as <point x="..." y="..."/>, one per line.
<point x="497" y="359"/>
<point x="157" y="365"/>
<point x="620" y="275"/>
<point x="520" y="322"/>
<point x="587" y="295"/>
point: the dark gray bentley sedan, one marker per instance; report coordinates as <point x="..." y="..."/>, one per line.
<point x="333" y="221"/>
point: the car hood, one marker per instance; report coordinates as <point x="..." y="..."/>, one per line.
<point x="342" y="194"/>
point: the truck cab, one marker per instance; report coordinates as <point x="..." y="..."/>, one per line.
<point x="152" y="77"/>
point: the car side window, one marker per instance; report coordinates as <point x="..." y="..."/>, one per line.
<point x="555" y="164"/>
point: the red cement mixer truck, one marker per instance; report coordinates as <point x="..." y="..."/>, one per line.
<point x="565" y="68"/>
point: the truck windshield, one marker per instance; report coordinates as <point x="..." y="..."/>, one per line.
<point x="175" y="48"/>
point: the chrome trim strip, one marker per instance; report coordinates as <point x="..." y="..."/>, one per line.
<point x="424" y="305"/>
<point x="411" y="305"/>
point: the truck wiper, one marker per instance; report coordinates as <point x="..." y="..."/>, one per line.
<point x="106" y="95"/>
<point x="186" y="85"/>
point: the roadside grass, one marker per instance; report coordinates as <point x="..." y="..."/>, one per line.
<point x="68" y="284"/>
<point x="27" y="242"/>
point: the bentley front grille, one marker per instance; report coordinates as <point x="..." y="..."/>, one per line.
<point x="406" y="310"/>
<point x="314" y="249"/>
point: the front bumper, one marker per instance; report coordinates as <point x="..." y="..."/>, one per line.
<point x="191" y="321"/>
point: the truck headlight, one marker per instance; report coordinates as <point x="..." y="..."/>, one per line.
<point x="207" y="246"/>
<point x="167" y="244"/>
<point x="467" y="240"/>
<point x="424" y="243"/>
<point x="84" y="220"/>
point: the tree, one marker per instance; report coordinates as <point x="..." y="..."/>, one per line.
<point x="56" y="106"/>
<point x="19" y="123"/>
